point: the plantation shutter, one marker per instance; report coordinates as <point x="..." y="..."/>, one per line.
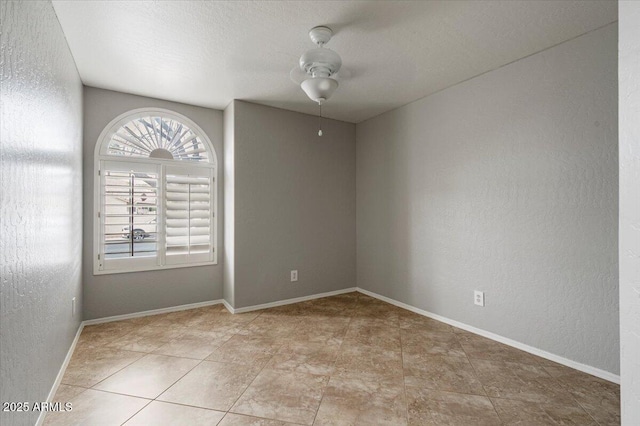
<point x="128" y="214"/>
<point x="188" y="215"/>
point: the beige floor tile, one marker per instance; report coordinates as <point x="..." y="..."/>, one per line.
<point x="432" y="407"/>
<point x="523" y="382"/>
<point x="66" y="392"/>
<point x="353" y="401"/>
<point x="140" y="321"/>
<point x="99" y="335"/>
<point x="331" y="305"/>
<point x="248" y="350"/>
<point x="514" y="412"/>
<point x="222" y="320"/>
<point x="184" y="318"/>
<point x="192" y="347"/>
<point x="213" y="385"/>
<point x="478" y="347"/>
<point x="416" y="322"/>
<point x="270" y="326"/>
<point x="378" y="312"/>
<point x="315" y="311"/>
<point x="297" y="310"/>
<point x="419" y="342"/>
<point x="350" y="296"/>
<point x="148" y="377"/>
<point x="370" y="362"/>
<point x="371" y="322"/>
<point x="146" y="338"/>
<point x="196" y="333"/>
<point x="324" y="322"/>
<point x="89" y="367"/>
<point x="600" y="398"/>
<point x="446" y="373"/>
<point x="307" y="334"/>
<point x="383" y="337"/>
<point x="241" y="420"/>
<point x="165" y="414"/>
<point x="313" y="358"/>
<point x="219" y="324"/>
<point x="271" y="366"/>
<point x="97" y="408"/>
<point x="283" y="395"/>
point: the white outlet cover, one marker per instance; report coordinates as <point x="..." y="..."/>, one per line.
<point x="478" y="298"/>
<point x="294" y="275"/>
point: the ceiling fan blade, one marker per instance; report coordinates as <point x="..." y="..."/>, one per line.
<point x="298" y="76"/>
<point x="344" y="74"/>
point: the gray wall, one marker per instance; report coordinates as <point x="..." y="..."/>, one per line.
<point x="506" y="183"/>
<point x="116" y="294"/>
<point x="294" y="204"/>
<point x="629" y="98"/>
<point x="40" y="203"/>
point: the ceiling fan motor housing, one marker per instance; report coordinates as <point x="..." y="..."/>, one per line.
<point x="320" y="64"/>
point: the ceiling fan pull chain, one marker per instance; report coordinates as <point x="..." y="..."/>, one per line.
<point x="320" y="120"/>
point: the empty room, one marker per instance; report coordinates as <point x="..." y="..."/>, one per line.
<point x="320" y="212"/>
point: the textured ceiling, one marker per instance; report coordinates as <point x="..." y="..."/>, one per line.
<point x="209" y="53"/>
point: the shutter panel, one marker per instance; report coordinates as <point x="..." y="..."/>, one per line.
<point x="188" y="215"/>
<point x="129" y="215"/>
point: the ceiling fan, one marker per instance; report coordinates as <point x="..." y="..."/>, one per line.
<point x="318" y="68"/>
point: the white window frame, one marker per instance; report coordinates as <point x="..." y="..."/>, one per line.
<point x="101" y="157"/>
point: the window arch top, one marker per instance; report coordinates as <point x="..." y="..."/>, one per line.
<point x="160" y="135"/>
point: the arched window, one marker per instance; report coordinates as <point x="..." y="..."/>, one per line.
<point x="155" y="194"/>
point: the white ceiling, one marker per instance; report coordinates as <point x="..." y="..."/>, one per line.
<point x="208" y="53"/>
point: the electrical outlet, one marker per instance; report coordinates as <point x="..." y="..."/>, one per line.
<point x="478" y="298"/>
<point x="73" y="307"/>
<point x="294" y="275"/>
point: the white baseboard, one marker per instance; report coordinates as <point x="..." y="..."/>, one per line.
<point x="228" y="306"/>
<point x="287" y="301"/>
<point x="530" y="349"/>
<point x="63" y="368"/>
<point x="153" y="312"/>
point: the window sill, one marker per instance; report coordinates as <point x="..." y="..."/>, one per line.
<point x="149" y="269"/>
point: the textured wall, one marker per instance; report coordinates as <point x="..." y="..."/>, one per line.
<point x="116" y="294"/>
<point x="629" y="98"/>
<point x="40" y="203"/>
<point x="294" y="204"/>
<point x="506" y="183"/>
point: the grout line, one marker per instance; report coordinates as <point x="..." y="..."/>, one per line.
<point x="120" y="393"/>
<point x="475" y="373"/>
<point x="116" y="372"/>
<point x="404" y="379"/>
<point x="259" y="372"/>
<point x="136" y="413"/>
<point x="186" y="405"/>
<point x="334" y="364"/>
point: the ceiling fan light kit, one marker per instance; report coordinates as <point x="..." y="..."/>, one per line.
<point x="319" y="89"/>
<point x="320" y="66"/>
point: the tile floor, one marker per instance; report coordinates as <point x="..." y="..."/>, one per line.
<point x="341" y="360"/>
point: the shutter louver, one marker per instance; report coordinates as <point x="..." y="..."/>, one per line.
<point x="129" y="214"/>
<point x="188" y="217"/>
